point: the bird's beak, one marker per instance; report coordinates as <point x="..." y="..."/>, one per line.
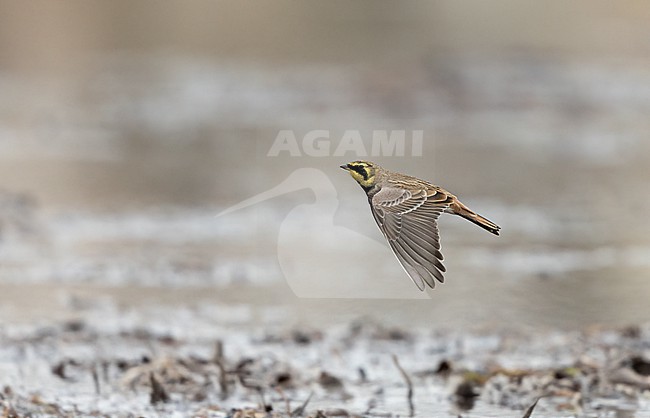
<point x="345" y="167"/>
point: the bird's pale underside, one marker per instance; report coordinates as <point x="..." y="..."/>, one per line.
<point x="406" y="210"/>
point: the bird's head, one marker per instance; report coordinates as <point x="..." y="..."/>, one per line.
<point x="364" y="172"/>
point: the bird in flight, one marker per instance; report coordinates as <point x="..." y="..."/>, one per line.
<point x="406" y="210"/>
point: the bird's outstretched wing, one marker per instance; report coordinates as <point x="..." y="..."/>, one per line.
<point x="409" y="221"/>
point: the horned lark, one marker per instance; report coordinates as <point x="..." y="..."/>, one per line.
<point x="407" y="210"/>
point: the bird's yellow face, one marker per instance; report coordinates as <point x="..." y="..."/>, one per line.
<point x="362" y="171"/>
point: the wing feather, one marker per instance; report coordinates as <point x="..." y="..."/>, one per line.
<point x="408" y="220"/>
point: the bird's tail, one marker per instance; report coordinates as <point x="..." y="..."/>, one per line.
<point x="457" y="208"/>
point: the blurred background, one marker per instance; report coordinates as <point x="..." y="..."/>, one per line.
<point x="126" y="127"/>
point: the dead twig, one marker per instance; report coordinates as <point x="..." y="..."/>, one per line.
<point x="300" y="411"/>
<point x="95" y="375"/>
<point x="243" y="373"/>
<point x="530" y="409"/>
<point x="158" y="392"/>
<point x="253" y="386"/>
<point x="287" y="403"/>
<point x="409" y="385"/>
<point x="223" y="374"/>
